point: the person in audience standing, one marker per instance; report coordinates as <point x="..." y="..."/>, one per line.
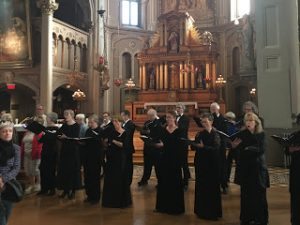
<point x="183" y="124"/>
<point x="207" y="171"/>
<point x="170" y="193"/>
<point x="129" y="127"/>
<point x="253" y="175"/>
<point x="10" y="161"/>
<point x="152" y="128"/>
<point x="49" y="156"/>
<point x="31" y="151"/>
<point x="116" y="188"/>
<point x="68" y="173"/>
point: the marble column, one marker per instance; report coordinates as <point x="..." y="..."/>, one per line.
<point x="157" y="76"/>
<point x="141" y="77"/>
<point x="144" y="77"/>
<point x="192" y="76"/>
<point x="161" y="77"/>
<point x="181" y="73"/>
<point x="46" y="76"/>
<point x="166" y="76"/>
<point x="214" y="74"/>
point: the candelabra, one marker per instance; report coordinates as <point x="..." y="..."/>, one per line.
<point x="220" y="82"/>
<point x="129" y="85"/>
<point x="78" y="96"/>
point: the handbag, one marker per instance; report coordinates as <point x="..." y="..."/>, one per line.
<point x="13" y="191"/>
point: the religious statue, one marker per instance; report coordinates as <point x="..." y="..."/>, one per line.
<point x="173" y="42"/>
<point x="151" y="74"/>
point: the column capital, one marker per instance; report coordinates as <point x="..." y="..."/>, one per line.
<point x="47" y="6"/>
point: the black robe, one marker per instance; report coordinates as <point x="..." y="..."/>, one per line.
<point x="295" y="188"/>
<point x="253" y="177"/>
<point x="68" y="174"/>
<point x="208" y="204"/>
<point x="48" y="160"/>
<point x="93" y="151"/>
<point x="116" y="188"/>
<point x="170" y="194"/>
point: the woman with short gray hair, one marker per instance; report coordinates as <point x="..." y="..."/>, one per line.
<point x="10" y="161"/>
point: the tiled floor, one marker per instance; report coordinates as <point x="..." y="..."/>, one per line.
<point x="35" y="210"/>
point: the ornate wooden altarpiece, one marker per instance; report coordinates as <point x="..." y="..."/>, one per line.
<point x="177" y="64"/>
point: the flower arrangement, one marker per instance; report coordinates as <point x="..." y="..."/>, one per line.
<point x="102" y="68"/>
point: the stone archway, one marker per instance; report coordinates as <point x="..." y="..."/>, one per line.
<point x="20" y="102"/>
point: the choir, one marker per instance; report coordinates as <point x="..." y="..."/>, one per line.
<point x="53" y="159"/>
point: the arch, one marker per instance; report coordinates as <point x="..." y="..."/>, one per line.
<point x="126" y="65"/>
<point x="235" y="61"/>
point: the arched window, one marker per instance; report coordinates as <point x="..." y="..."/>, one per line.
<point x="238" y="8"/>
<point x="130" y="12"/>
<point x="235" y="61"/>
<point x="126" y="65"/>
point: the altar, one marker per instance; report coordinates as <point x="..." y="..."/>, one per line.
<point x="178" y="64"/>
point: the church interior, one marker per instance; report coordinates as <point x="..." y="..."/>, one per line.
<point x="99" y="56"/>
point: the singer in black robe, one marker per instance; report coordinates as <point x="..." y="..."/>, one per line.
<point x="68" y="174"/>
<point x="48" y="161"/>
<point x="116" y="188"/>
<point x="252" y="172"/>
<point x="170" y="193"/>
<point x="93" y="151"/>
<point x="208" y="203"/>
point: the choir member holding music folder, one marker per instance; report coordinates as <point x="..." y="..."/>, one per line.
<point x="150" y="134"/>
<point x="170" y="193"/>
<point x="116" y="188"/>
<point x="252" y="171"/>
<point x="68" y="174"/>
<point x="207" y="171"/>
<point x="49" y="156"/>
<point x="292" y="142"/>
<point x="93" y="152"/>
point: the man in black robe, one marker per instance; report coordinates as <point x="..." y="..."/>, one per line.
<point x="152" y="128"/>
<point x="221" y="125"/>
<point x="295" y="184"/>
<point x="183" y="123"/>
<point x="129" y="127"/>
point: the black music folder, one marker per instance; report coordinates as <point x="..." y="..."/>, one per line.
<point x="35" y="127"/>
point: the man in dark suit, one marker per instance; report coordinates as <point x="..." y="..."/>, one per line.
<point x="129" y="127"/>
<point x="152" y="129"/>
<point x="183" y="123"/>
<point x="221" y="125"/>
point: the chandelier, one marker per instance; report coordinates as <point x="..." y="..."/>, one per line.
<point x="79" y="95"/>
<point x="130" y="84"/>
<point x="75" y="75"/>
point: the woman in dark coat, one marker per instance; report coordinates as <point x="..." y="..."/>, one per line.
<point x="208" y="203"/>
<point x="116" y="188"/>
<point x="10" y="161"/>
<point x="93" y="151"/>
<point x="252" y="171"/>
<point x="68" y="174"/>
<point x="170" y="193"/>
<point x="49" y="157"/>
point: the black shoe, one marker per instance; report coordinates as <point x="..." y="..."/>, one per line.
<point x="94" y="202"/>
<point x="63" y="195"/>
<point x="51" y="193"/>
<point x="142" y="183"/>
<point x="71" y="195"/>
<point x="87" y="200"/>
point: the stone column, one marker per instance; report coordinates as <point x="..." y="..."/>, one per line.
<point x="213" y="74"/>
<point x="46" y="75"/>
<point x="166" y="77"/>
